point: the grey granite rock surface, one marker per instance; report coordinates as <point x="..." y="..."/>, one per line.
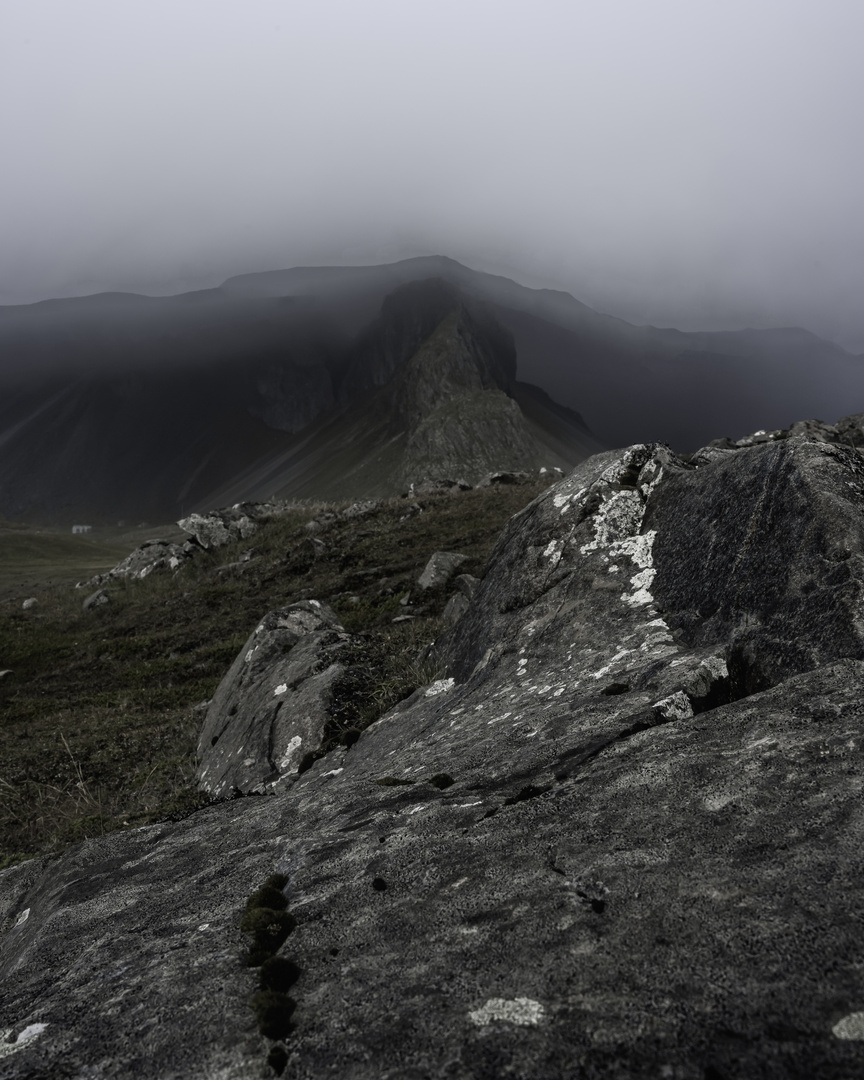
<point x="440" y="568"/>
<point x="621" y="837"/>
<point x="271" y="707"/>
<point x="219" y="527"/>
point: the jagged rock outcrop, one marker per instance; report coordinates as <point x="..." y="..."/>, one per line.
<point x="144" y="560"/>
<point x="271" y="708"/>
<point x="219" y="527"/>
<point x="451" y="397"/>
<point x="428" y="392"/>
<point x="619" y="836"/>
<point x="409" y="316"/>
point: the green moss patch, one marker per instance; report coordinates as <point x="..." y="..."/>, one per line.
<point x="273" y="1012"/>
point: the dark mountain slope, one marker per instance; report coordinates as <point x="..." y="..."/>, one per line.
<point x="451" y="409"/>
<point x="629" y="382"/>
<point x="192" y="393"/>
<point x="358" y="420"/>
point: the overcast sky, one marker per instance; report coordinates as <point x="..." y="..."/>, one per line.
<point x="681" y="162"/>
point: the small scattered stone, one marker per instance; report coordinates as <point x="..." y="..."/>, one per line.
<point x="455" y="608"/>
<point x="29" y="603"/>
<point x="96" y="599"/>
<point x="440" y="568"/>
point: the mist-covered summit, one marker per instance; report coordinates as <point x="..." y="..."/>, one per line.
<point x="426" y="389"/>
<point x="143" y="407"/>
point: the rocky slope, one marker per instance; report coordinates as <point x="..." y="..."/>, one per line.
<point x="617" y="835"/>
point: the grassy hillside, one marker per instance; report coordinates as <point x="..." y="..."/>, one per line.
<point x="33" y="558"/>
<point x="100" y="711"/>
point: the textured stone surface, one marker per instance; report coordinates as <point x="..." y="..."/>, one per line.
<point x="442" y="565"/>
<point x="150" y="556"/>
<point x="642" y="867"/>
<point x="219" y="527"/>
<point x="96" y="599"/>
<point x="271" y="708"/>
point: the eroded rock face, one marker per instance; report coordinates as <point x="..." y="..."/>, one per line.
<point x="271" y="708"/>
<point x="640" y="868"/>
<point x="638" y="556"/>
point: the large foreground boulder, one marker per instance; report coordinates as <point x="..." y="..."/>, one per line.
<point x="271" y="708"/>
<point x="620" y="838"/>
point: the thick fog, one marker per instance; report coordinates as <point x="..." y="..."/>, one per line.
<point x="682" y="162"/>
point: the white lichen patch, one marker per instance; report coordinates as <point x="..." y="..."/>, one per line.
<point x="619" y="518"/>
<point x="31" y="1032"/>
<point x="851" y="1027"/>
<point x="657" y="642"/>
<point x="639" y="549"/>
<point x="498" y="719"/>
<point x="615" y="471"/>
<point x="562" y="500"/>
<point x="717" y="801"/>
<point x="282" y="688"/>
<point x="440" y="686"/>
<point x="675" y="707"/>
<point x="553" y="551"/>
<point x="650" y="477"/>
<point x="522" y="1011"/>
<point x="290" y="753"/>
<point x="641" y="584"/>
<point x="616" y="659"/>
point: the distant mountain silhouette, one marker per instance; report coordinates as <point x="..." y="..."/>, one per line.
<point x="287" y="382"/>
<point x="427" y="389"/>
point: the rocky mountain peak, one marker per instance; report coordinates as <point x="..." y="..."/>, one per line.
<point x="409" y="316"/>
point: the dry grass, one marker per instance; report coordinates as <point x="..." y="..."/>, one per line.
<point x="100" y="715"/>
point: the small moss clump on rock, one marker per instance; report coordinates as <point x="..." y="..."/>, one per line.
<point x="279" y="974"/>
<point x="277" y="1059"/>
<point x="269" y="930"/>
<point x="266" y="919"/>
<point x="441" y="780"/>
<point x="266" y="897"/>
<point x="273" y="1011"/>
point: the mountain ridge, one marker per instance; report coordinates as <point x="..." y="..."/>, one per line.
<point x="229" y="379"/>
